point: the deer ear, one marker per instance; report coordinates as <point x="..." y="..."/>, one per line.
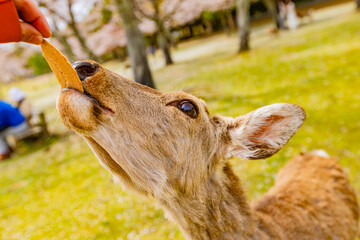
<point x="263" y="132"/>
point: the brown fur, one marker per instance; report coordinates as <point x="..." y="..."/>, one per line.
<point x="153" y="148"/>
<point x="312" y="198"/>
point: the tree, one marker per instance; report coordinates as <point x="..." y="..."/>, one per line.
<point x="243" y="20"/>
<point x="61" y="37"/>
<point x="358" y="4"/>
<point x="54" y="21"/>
<point x="74" y="28"/>
<point x="160" y="13"/>
<point x="271" y="6"/>
<point x="135" y="43"/>
<point x="62" y="10"/>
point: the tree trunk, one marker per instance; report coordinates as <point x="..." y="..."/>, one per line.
<point x="208" y="26"/>
<point x="191" y="31"/>
<point x="224" y="23"/>
<point x="230" y="20"/>
<point x="358" y="4"/>
<point x="77" y="34"/>
<point x="165" y="47"/>
<point x="135" y="43"/>
<point x="82" y="42"/>
<point x="164" y="43"/>
<point x="167" y="55"/>
<point x="63" y="41"/>
<point x="271" y="6"/>
<point x="243" y="19"/>
<point x="67" y="48"/>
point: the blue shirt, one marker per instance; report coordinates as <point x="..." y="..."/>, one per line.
<point x="9" y="116"/>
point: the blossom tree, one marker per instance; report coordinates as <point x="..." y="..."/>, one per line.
<point x="135" y="43"/>
<point x="160" y="12"/>
<point x="63" y="11"/>
<point x="243" y="20"/>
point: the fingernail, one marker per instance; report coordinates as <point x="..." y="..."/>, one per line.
<point x="37" y="39"/>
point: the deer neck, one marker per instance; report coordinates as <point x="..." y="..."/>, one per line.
<point x="218" y="209"/>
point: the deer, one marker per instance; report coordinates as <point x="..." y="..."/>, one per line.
<point x="167" y="146"/>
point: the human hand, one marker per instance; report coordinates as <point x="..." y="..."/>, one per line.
<point x="34" y="26"/>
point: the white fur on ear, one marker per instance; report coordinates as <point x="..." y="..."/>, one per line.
<point x="265" y="131"/>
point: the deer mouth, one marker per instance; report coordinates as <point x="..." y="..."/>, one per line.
<point x="92" y="99"/>
<point x="97" y="102"/>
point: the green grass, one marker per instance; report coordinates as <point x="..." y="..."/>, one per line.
<point x="57" y="190"/>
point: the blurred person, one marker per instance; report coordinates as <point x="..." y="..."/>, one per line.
<point x="21" y="102"/>
<point x="292" y="20"/>
<point x="12" y="122"/>
<point x="282" y="12"/>
<point x="22" y="20"/>
<point x="152" y="49"/>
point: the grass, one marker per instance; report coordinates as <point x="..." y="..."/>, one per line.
<point x="57" y="189"/>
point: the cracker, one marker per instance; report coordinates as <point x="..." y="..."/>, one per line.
<point x="64" y="72"/>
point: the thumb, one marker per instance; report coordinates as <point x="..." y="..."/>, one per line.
<point x="30" y="34"/>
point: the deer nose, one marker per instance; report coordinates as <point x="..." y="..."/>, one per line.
<point x="85" y="69"/>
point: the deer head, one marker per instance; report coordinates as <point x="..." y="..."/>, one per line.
<point x="163" y="144"/>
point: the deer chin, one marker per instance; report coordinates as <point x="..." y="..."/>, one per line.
<point x="81" y="112"/>
<point x="108" y="162"/>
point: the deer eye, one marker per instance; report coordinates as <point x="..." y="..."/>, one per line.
<point x="188" y="108"/>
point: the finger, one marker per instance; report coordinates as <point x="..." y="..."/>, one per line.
<point x="30" y="34"/>
<point x="30" y="13"/>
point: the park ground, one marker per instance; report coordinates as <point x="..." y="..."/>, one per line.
<point x="56" y="189"/>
